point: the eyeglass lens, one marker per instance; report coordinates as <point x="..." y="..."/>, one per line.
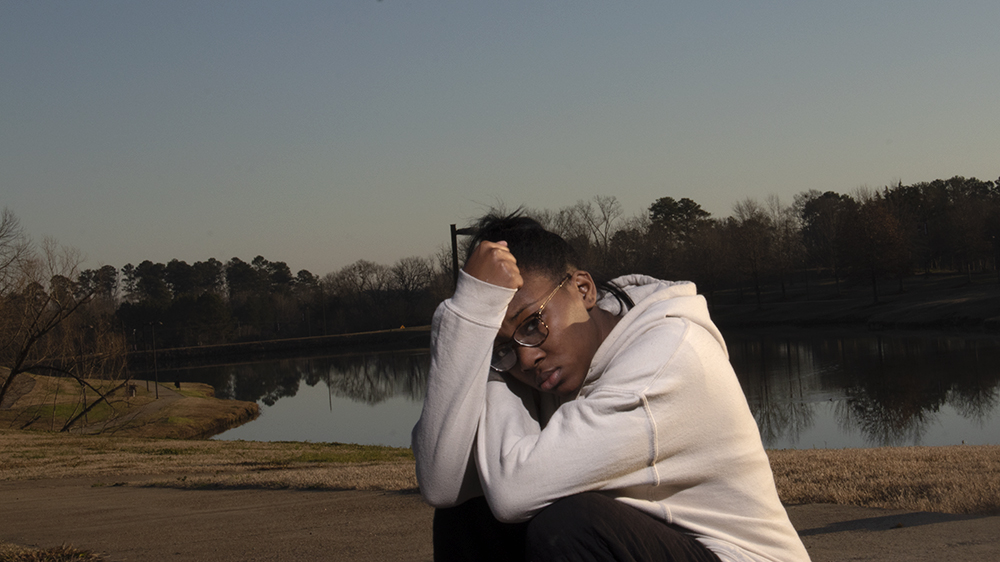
<point x="530" y="333"/>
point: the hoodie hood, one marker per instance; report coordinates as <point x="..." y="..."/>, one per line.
<point x="654" y="300"/>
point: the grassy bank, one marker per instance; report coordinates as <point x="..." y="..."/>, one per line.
<point x="143" y="409"/>
<point x="112" y="461"/>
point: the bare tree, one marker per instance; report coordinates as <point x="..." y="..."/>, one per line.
<point x="15" y="249"/>
<point x="754" y="234"/>
<point x="602" y="217"/>
<point x="362" y="277"/>
<point x="566" y="222"/>
<point x="358" y="295"/>
<point x="588" y="226"/>
<point x="412" y="274"/>
<point x="787" y="248"/>
<point x="41" y="328"/>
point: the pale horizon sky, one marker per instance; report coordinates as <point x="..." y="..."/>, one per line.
<point x="319" y="133"/>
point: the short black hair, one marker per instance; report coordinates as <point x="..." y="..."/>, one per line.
<point x="534" y="248"/>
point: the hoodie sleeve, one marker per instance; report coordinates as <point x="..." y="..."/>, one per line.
<point x="462" y="334"/>
<point x="639" y="427"/>
<point x="594" y="444"/>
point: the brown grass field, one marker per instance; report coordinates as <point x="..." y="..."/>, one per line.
<point x="958" y="479"/>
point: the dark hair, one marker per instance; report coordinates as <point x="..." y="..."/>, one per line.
<point x="536" y="249"/>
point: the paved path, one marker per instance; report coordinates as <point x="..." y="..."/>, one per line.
<point x="131" y="523"/>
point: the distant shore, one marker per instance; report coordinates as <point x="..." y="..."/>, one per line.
<point x="417" y="337"/>
<point x="937" y="302"/>
<point x="934" y="302"/>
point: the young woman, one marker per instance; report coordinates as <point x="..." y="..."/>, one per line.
<point x="570" y="421"/>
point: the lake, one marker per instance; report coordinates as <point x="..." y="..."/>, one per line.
<point x="807" y="389"/>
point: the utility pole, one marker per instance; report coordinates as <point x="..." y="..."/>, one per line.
<point x="454" y="250"/>
<point x="156" y="372"/>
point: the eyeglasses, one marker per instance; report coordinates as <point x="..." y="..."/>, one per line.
<point x="529" y="333"/>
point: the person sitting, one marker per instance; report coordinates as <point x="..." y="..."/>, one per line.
<point x="568" y="419"/>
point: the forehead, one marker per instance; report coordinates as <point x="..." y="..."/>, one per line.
<point x="531" y="294"/>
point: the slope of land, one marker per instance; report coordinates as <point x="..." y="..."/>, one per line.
<point x="141" y="409"/>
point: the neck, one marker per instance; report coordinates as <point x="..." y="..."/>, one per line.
<point x="605" y="321"/>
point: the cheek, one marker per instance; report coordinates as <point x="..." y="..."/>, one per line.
<point x="576" y="332"/>
<point x="574" y="347"/>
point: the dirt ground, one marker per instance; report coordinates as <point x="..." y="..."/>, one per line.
<point x="131" y="523"/>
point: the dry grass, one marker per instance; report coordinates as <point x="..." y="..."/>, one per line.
<point x="191" y="417"/>
<point x="64" y="553"/>
<point x="114" y="460"/>
<point x="960" y="479"/>
<point x="46" y="403"/>
<point x="957" y="479"/>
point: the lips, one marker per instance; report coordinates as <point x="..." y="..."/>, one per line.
<point x="549" y="379"/>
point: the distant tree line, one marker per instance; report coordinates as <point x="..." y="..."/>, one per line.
<point x="873" y="236"/>
<point x="210" y="302"/>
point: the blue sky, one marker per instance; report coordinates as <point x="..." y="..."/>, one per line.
<point x="320" y="133"/>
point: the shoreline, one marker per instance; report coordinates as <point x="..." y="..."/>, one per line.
<point x="933" y="302"/>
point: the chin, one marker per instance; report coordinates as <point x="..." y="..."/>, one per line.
<point x="566" y="390"/>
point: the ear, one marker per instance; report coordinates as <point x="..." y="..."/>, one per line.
<point x="585" y="287"/>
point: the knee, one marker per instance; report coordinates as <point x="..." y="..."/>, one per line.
<point x="565" y="526"/>
<point x="462" y="518"/>
<point x="565" y="513"/>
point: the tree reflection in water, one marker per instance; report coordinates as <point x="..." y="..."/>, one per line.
<point x="375" y="378"/>
<point x="367" y="378"/>
<point x="889" y="389"/>
<point x="859" y="390"/>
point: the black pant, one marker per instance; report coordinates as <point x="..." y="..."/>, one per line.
<point x="584" y="527"/>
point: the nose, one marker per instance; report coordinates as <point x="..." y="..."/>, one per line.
<point x="528" y="357"/>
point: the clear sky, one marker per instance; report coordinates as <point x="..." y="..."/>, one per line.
<point x="319" y="133"/>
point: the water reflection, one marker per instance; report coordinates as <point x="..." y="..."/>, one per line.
<point x="806" y="389"/>
<point x="370" y="378"/>
<point x="375" y="378"/>
<point x="370" y="398"/>
<point x="887" y="390"/>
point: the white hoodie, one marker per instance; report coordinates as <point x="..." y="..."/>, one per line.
<point x="660" y="423"/>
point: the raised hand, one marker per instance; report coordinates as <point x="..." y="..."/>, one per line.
<point x="493" y="263"/>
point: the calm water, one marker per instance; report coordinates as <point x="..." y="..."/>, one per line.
<point x="826" y="391"/>
<point x="805" y="389"/>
